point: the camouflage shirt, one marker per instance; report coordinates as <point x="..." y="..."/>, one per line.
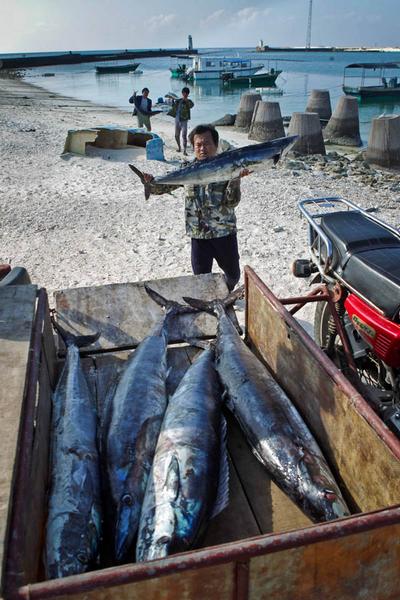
<point x="209" y="209"/>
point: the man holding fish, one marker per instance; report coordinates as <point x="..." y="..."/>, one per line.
<point x="212" y="184"/>
<point x="210" y="212"/>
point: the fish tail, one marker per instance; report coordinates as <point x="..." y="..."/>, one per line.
<point x="211" y="305"/>
<point x="170" y="305"/>
<point x="139" y="173"/>
<point x="70" y="339"/>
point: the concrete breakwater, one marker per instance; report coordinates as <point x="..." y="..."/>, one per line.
<point x="44" y="59"/>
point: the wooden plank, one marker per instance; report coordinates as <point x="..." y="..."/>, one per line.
<point x="273" y="510"/>
<point x="17" y="310"/>
<point x="360" y="458"/>
<point x="124" y="313"/>
<point x="354" y="567"/>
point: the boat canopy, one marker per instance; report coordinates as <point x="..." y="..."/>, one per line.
<point x="384" y="65"/>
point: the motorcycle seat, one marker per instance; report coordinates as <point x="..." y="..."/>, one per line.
<point x="367" y="257"/>
<point x="375" y="274"/>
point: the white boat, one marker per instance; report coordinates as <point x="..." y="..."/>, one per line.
<point x="217" y="67"/>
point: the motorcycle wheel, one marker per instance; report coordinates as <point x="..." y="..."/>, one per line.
<point x="370" y="370"/>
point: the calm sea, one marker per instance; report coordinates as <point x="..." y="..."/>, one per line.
<point x="301" y="73"/>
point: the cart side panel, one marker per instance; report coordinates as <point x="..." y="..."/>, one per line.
<point x="348" y="431"/>
<point x="354" y="567"/>
<point x="17" y="310"/>
<point x="26" y="521"/>
<point x="197" y="584"/>
<point x="39" y="466"/>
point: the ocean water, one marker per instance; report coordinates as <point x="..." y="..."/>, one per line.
<point x="301" y="73"/>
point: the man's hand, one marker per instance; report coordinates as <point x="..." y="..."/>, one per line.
<point x="147" y="177"/>
<point x="245" y="172"/>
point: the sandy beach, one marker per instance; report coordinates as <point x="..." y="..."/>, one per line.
<point x="77" y="221"/>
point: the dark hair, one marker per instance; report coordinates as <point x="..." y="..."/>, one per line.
<point x="186" y="90"/>
<point x="145" y="90"/>
<point x="200" y="129"/>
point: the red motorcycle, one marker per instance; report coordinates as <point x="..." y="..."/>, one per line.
<point x="355" y="259"/>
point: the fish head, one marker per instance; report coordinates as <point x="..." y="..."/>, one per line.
<point x="334" y="507"/>
<point x="72" y="546"/>
<point x="320" y="493"/>
<point x="128" y="513"/>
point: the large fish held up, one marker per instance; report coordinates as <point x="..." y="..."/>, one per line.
<point x="74" y="518"/>
<point x="272" y="425"/>
<point x="224" y="166"/>
<point x="188" y="483"/>
<point x="136" y="412"/>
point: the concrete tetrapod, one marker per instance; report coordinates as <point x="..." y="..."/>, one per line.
<point x="308" y="127"/>
<point x="246" y="109"/>
<point x="267" y="123"/>
<point x="319" y="102"/>
<point x="384" y="141"/>
<point x="344" y="125"/>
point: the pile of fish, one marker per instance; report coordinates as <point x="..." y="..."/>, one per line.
<point x="162" y="467"/>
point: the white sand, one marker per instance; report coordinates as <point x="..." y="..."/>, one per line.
<point x="77" y="221"/>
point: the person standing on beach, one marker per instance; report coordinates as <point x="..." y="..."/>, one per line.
<point x="210" y="212"/>
<point x="181" y="111"/>
<point x="142" y="109"/>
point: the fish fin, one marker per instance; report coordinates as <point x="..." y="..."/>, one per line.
<point x="210" y="305"/>
<point x="222" y="498"/>
<point x="158" y="299"/>
<point x="147" y="188"/>
<point x="106" y="414"/>
<point x="227" y="400"/>
<point x="172" y="481"/>
<point x="203" y="305"/>
<point x="169" y="305"/>
<point x="70" y="339"/>
<point x="205" y="345"/>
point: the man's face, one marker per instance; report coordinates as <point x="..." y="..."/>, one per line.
<point x="204" y="146"/>
<point x="145" y="94"/>
<point x="185" y="95"/>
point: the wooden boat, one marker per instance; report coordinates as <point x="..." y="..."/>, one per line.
<point x="383" y="75"/>
<point x="126" y="68"/>
<point x="261" y="546"/>
<point x="258" y="80"/>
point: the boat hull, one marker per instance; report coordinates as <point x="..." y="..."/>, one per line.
<point x="117" y="68"/>
<point x="373" y="92"/>
<point x="260" y="80"/>
<point x="219" y="74"/>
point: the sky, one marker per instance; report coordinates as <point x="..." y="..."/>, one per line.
<point x="51" y="25"/>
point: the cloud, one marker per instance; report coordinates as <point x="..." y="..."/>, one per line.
<point x="214" y="18"/>
<point x="241" y="18"/>
<point x="159" y="22"/>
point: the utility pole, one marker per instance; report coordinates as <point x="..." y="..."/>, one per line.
<point x="308" y="42"/>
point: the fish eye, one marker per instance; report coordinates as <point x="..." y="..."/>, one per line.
<point x="127" y="500"/>
<point x="329" y="495"/>
<point x="83" y="558"/>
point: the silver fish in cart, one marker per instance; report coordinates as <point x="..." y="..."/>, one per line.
<point x="224" y="166"/>
<point x="272" y="425"/>
<point x="74" y="518"/>
<point x="136" y="413"/>
<point x="188" y="483"/>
